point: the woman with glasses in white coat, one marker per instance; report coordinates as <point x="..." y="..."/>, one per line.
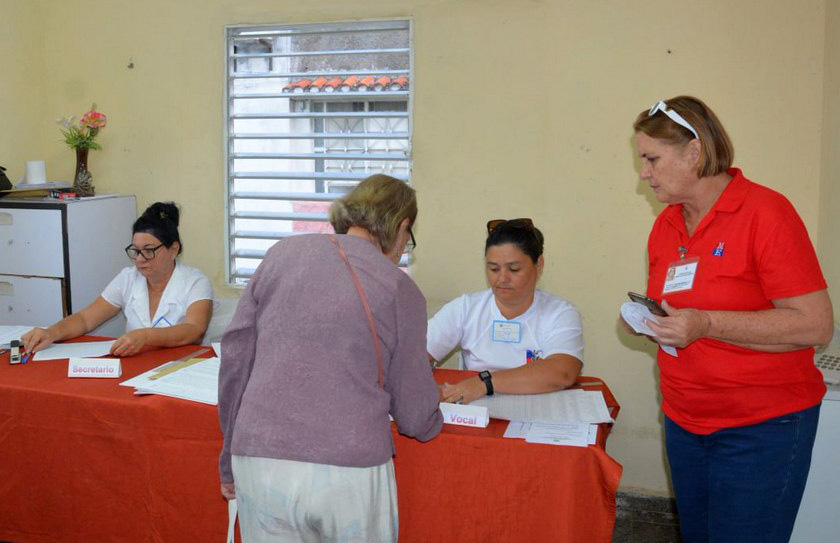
<point x="166" y="303"/>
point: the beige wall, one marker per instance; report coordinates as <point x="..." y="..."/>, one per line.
<point x="829" y="211"/>
<point x="521" y="109"/>
<point x="21" y="89"/>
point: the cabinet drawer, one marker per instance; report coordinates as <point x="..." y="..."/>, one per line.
<point x="31" y="242"/>
<point x="31" y="301"/>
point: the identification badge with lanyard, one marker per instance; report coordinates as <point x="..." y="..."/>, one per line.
<point x="681" y="273"/>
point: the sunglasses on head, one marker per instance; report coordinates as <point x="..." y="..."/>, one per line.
<point x="514" y="223"/>
<point x="673" y="115"/>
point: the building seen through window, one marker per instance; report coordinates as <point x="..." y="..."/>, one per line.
<point x="311" y="111"/>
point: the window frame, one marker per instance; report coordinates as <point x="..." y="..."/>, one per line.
<point x="238" y="280"/>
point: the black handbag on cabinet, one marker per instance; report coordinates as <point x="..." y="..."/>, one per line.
<point x="5" y="184"/>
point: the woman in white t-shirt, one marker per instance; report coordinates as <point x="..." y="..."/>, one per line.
<point x="521" y="340"/>
<point x="166" y="303"/>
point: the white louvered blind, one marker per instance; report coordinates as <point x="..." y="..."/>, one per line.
<point x="311" y="111"/>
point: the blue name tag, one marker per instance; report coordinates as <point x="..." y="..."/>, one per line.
<point x="507" y="331"/>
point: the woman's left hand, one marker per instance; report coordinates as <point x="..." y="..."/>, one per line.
<point x="465" y="392"/>
<point x="130" y="343"/>
<point x="229" y="491"/>
<point x="681" y="327"/>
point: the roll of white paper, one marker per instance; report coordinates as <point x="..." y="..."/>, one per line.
<point x="36" y="173"/>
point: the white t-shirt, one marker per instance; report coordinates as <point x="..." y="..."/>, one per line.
<point x="129" y="291"/>
<point x="488" y="341"/>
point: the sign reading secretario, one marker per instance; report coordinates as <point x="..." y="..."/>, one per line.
<point x="94" y="367"/>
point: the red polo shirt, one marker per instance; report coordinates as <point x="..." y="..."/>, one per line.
<point x="753" y="248"/>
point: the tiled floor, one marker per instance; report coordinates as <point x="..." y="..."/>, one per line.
<point x="645" y="519"/>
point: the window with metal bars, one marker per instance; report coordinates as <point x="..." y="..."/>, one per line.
<point x="311" y="111"/>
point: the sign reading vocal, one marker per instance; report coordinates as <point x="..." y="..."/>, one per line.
<point x="465" y="415"/>
<point x="94" y="367"/>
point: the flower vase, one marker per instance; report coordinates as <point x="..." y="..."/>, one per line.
<point x="83" y="180"/>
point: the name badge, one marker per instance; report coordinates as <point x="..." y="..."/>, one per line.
<point x="465" y="415"/>
<point x="94" y="367"/>
<point x="507" y="331"/>
<point x="680" y="276"/>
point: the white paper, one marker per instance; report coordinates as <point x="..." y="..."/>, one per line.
<point x="563" y="406"/>
<point x="217" y="346"/>
<point x="143" y="379"/>
<point x="635" y="314"/>
<point x="197" y="382"/>
<point x="575" y="434"/>
<point x="519" y="430"/>
<point x="75" y="350"/>
<point x="232" y="512"/>
<point x="9" y="333"/>
<point x="593" y="434"/>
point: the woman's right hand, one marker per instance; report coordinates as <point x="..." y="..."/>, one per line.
<point x="37" y="339"/>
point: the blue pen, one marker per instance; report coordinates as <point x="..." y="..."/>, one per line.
<point x="26" y="358"/>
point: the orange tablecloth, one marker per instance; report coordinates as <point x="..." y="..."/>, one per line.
<point x="84" y="460"/>
<point x="471" y="485"/>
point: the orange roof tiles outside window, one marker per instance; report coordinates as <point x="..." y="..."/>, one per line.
<point x="318" y="84"/>
<point x="382" y="83"/>
<point x="352" y="83"/>
<point x="349" y="83"/>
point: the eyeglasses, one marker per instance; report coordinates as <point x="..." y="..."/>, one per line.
<point x="673" y="115"/>
<point x="412" y="243"/>
<point x="148" y="252"/>
<point x="514" y="223"/>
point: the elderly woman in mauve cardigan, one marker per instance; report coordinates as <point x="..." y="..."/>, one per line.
<point x="327" y="340"/>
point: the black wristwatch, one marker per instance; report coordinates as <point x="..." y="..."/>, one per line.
<point x="488" y="381"/>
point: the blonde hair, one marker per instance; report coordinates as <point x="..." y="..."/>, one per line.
<point x="378" y="204"/>
<point x="717" y="150"/>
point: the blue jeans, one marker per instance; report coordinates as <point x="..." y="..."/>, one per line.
<point x="743" y="484"/>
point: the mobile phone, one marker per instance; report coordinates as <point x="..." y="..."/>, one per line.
<point x="649" y="303"/>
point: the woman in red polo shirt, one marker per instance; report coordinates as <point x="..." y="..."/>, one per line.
<point x="732" y="265"/>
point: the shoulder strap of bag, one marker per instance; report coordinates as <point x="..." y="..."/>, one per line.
<point x="368" y="312"/>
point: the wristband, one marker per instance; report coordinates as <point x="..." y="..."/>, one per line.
<point x="488" y="381"/>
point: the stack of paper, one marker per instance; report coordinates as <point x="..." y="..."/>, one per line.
<point x="566" y="417"/>
<point x="196" y="380"/>
<point x="573" y="405"/>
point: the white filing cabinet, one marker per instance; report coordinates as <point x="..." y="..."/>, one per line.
<point x="818" y="519"/>
<point x="57" y="256"/>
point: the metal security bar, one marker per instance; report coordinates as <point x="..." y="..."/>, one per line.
<point x="311" y="110"/>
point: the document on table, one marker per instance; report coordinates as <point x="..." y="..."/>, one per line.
<point x="521" y="430"/>
<point x="9" y="333"/>
<point x="573" y="405"/>
<point x="75" y="350"/>
<point x="198" y="382"/>
<point x="575" y="434"/>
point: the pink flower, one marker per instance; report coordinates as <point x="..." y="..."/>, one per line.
<point x="93" y="120"/>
